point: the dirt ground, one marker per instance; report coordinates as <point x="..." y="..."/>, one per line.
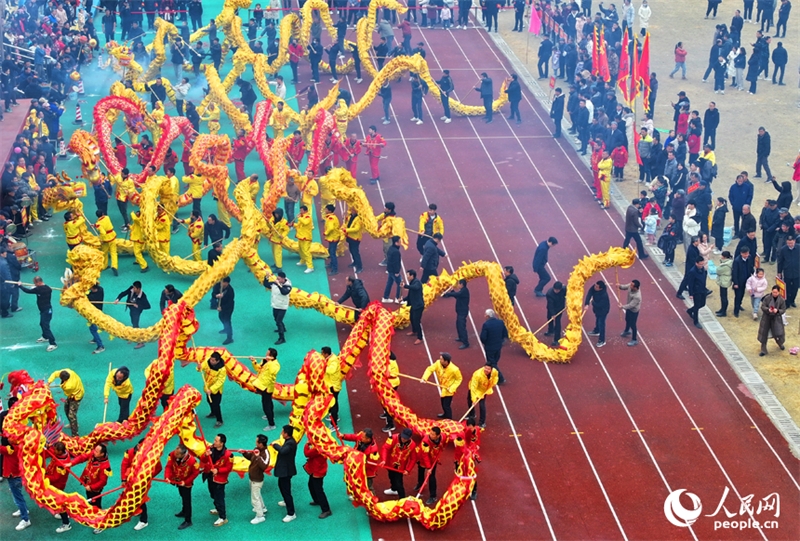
<point x="774" y="107"/>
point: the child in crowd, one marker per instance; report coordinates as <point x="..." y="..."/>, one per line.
<point x="757" y="287"/>
<point x="650" y="225"/>
<point x="668" y="240"/>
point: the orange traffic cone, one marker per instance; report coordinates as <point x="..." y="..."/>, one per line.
<point x="78" y="116"/>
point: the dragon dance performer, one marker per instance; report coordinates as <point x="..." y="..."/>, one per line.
<point x="214" y="373"/>
<point x="196" y="231"/>
<point x="604" y="175"/>
<point x="481" y="384"/>
<point x="138" y="240"/>
<point x="127" y="460"/>
<point x="365" y="443"/>
<point x="74" y="225"/>
<point x="388" y="215"/>
<point x="279" y="120"/>
<point x="169" y="385"/>
<point x="217" y="465"/>
<point x="470" y="437"/>
<point x="108" y="237"/>
<point x="57" y="474"/>
<point x="285" y="469"/>
<point x="279" y="300"/>
<point x="333" y="380"/>
<point x="242" y="146"/>
<point x="278" y="228"/>
<point x="316" y="467"/>
<point x="95" y="475"/>
<point x="265" y="384"/>
<point x="163" y="230"/>
<point x="310" y="190"/>
<point x="254" y="186"/>
<point x="353" y="230"/>
<point x="211" y="115"/>
<point x="12" y="470"/>
<point x="394" y="381"/>
<point x="195" y="190"/>
<point x="170" y="193"/>
<point x="449" y="377"/>
<point x="136" y="303"/>
<point x="120" y="381"/>
<point x="352" y="149"/>
<point x="333" y="235"/>
<point x="124" y="192"/>
<point x="374" y="143"/>
<point x="297" y="149"/>
<point x="398" y="453"/>
<point x="428" y="452"/>
<point x="182" y="469"/>
<point x="222" y="212"/>
<point x="73" y="389"/>
<point x="430" y="223"/>
<point x="304" y="227"/>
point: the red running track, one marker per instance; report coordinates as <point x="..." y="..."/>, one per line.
<point x="588" y="450"/>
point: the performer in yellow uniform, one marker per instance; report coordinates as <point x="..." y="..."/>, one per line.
<point x="333" y="380"/>
<point x="125" y="191"/>
<point x="254" y="186"/>
<point x="214" y="373"/>
<point x="429" y="224"/>
<point x="604" y="174"/>
<point x="353" y="228"/>
<point x="195" y="190"/>
<point x="74" y="224"/>
<point x="394" y="381"/>
<point x="196" y="231"/>
<point x="163" y="230"/>
<point x="169" y="385"/>
<point x="449" y="380"/>
<point x="35" y="199"/>
<point x="332" y="234"/>
<point x="138" y="240"/>
<point x="222" y="212"/>
<point x="310" y="190"/>
<point x="278" y="228"/>
<point x="265" y="384"/>
<point x="211" y="115"/>
<point x="120" y="381"/>
<point x="303" y="228"/>
<point x="73" y="389"/>
<point x="279" y="120"/>
<point x="326" y="196"/>
<point x="480" y="386"/>
<point x="108" y="237"/>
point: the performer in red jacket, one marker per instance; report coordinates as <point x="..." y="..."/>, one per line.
<point x="365" y="442"/>
<point x="127" y="461"/>
<point x="297" y="149"/>
<point x="12" y="471"/>
<point x="471" y="437"/>
<point x="217" y="464"/>
<point x="57" y="473"/>
<point x="399" y="454"/>
<point x="352" y="149"/>
<point x="182" y="469"/>
<point x="374" y="143"/>
<point x="316" y="467"/>
<point x="96" y="473"/>
<point x="428" y="453"/>
<point x="242" y="146"/>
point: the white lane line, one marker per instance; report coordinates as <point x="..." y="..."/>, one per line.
<point x="770" y="404"/>
<point x="649" y="351"/>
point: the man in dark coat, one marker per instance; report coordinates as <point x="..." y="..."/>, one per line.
<point x="357" y="292"/>
<point x="779" y="57"/>
<point x="692" y="255"/>
<point x="487" y="95"/>
<point x="416" y="303"/>
<point x="556" y="302"/>
<point x="493" y="333"/>
<point x="711" y="123"/>
<point x="633" y="223"/>
<point x="545" y="52"/>
<point x="696" y="284"/>
<point x="581" y="122"/>
<point x="557" y="111"/>
<point x="769" y="221"/>
<point x="789" y="269"/>
<point x="598" y="298"/>
<point x="763" y="149"/>
<point x="430" y="257"/>
<point x="225" y="307"/>
<point x="739" y="195"/>
<point x="461" y="294"/>
<point x="285" y="469"/>
<point x="743" y="267"/>
<point x="393" y="269"/>
<point x="540" y="264"/>
<point x="514" y="92"/>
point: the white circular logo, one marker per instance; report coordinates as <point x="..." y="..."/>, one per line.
<point x="677" y="514"/>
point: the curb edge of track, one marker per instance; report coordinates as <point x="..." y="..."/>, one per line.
<point x="738" y="361"/>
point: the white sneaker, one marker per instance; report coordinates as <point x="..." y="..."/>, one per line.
<point x="414" y="119"/>
<point x="717" y="252"/>
<point x="390" y="492"/>
<point x="57" y="516"/>
<point x="447" y="121"/>
<point x="359" y="80"/>
<point x="41" y="339"/>
<point x="16" y="513"/>
<point x="22" y="525"/>
<point x="52" y="347"/>
<point x="334" y="80"/>
<point x="443" y="118"/>
<point x="264" y="417"/>
<point x="281" y="503"/>
<point x="140" y="526"/>
<point x="299" y="263"/>
<point x="387" y="301"/>
<point x="97" y="531"/>
<point x="419" y="122"/>
<point x="389" y="122"/>
<point x="268" y="428"/>
<point x="64" y="528"/>
<point x="289" y="518"/>
<point x="220" y="521"/>
<point x="309" y="271"/>
<point x="257" y="520"/>
<point x="212" y="511"/>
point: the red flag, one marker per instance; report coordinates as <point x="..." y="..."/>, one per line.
<point x="536" y="22"/>
<point x="644" y="72"/>
<point x="636" y="138"/>
<point x="634" y="73"/>
<point x="595" y="53"/>
<point x="624" y="69"/>
<point x="602" y="69"/>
